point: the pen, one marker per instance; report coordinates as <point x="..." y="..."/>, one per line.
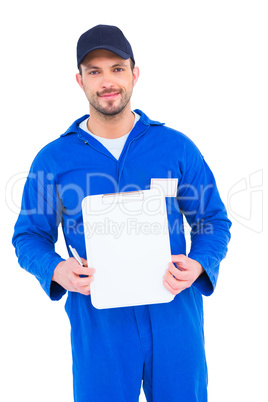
<point x="76" y="256"/>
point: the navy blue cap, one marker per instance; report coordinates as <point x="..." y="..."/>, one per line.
<point x="103" y="37"/>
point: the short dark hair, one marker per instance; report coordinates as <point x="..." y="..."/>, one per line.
<point x="132" y="65"/>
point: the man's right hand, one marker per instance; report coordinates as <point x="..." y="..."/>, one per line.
<point x="67" y="274"/>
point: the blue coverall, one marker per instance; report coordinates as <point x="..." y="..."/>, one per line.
<point x="114" y="349"/>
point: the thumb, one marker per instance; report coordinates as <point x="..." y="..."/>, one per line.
<point x="84" y="262"/>
<point x="178" y="258"/>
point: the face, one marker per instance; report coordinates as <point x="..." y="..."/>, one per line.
<point x="107" y="81"/>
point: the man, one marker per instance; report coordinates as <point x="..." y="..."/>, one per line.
<point x="112" y="150"/>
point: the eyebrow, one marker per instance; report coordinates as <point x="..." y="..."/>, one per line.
<point x="119" y="65"/>
<point x="92" y="67"/>
<point x="89" y="67"/>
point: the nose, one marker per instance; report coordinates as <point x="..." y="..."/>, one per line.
<point x="107" y="80"/>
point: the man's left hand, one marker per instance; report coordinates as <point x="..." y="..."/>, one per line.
<point x="181" y="273"/>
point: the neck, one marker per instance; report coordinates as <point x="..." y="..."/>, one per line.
<point x="111" y="126"/>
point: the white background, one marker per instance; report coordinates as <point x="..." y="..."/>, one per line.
<point x="204" y="72"/>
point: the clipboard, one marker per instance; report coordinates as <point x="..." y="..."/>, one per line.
<point x="127" y="242"/>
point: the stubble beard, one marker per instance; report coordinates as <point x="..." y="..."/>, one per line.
<point x="110" y="111"/>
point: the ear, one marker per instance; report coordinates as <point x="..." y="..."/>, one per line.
<point x="79" y="80"/>
<point x="136" y="74"/>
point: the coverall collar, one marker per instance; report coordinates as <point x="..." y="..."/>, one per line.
<point x="143" y="119"/>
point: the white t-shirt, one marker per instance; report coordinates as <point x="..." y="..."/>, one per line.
<point x="114" y="145"/>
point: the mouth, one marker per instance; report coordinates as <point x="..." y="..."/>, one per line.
<point x="109" y="95"/>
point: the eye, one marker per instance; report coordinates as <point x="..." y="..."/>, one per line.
<point x="93" y="72"/>
<point x="118" y="69"/>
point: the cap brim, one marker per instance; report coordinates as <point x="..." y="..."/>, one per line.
<point x="119" y="53"/>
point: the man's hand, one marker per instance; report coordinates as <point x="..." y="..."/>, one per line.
<point x="182" y="277"/>
<point x="67" y="274"/>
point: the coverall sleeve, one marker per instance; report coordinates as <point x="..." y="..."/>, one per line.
<point x="36" y="230"/>
<point x="200" y="202"/>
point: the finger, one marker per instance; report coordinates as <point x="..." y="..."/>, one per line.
<point x="173" y="291"/>
<point x="75" y="264"/>
<point x="81" y="285"/>
<point x="178" y="274"/>
<point x="175" y="283"/>
<point x="84" y="262"/>
<point x="180" y="258"/>
<point x="85" y="282"/>
<point x="84" y="290"/>
<point x="78" y="270"/>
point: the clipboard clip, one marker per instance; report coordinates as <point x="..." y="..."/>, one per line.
<point x="122" y="197"/>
